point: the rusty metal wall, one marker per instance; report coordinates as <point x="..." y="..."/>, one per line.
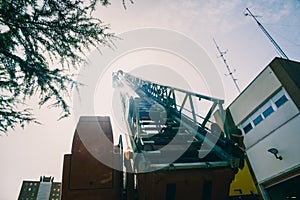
<point x="201" y="184"/>
<point x="84" y="176"/>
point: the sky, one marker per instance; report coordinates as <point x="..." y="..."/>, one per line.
<point x="37" y="150"/>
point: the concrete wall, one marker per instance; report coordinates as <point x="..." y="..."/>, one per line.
<point x="286" y="139"/>
<point x="254" y="95"/>
<point x="270" y="124"/>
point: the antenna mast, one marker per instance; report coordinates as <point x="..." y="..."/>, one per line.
<point x="278" y="49"/>
<point x="230" y="73"/>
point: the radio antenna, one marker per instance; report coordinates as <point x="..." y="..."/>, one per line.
<point x="277" y="47"/>
<point x="230" y="73"/>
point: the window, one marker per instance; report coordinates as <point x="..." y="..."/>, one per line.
<point x="268" y="111"/>
<point x="285" y="190"/>
<point x="171" y="191"/>
<point x="281" y="101"/>
<point x="264" y="111"/>
<point x="280" y="98"/>
<point x="257" y="120"/>
<point x="247" y="128"/>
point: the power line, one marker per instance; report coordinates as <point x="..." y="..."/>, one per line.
<point x="278" y="49"/>
<point x="230" y="73"/>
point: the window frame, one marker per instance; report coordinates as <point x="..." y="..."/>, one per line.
<point x="261" y="109"/>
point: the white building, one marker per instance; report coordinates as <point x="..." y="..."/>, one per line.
<point x="267" y="113"/>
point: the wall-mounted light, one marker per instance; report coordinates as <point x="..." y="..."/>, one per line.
<point x="275" y="152"/>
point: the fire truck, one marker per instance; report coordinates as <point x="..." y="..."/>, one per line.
<point x="172" y="147"/>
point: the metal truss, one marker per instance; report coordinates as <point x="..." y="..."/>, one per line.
<point x="184" y="124"/>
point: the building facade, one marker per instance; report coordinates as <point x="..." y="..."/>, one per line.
<point x="44" y="189"/>
<point x="267" y="113"/>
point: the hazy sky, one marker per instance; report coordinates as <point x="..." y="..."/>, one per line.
<point x="38" y="149"/>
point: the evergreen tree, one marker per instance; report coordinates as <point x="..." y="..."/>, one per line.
<point x="40" y="40"/>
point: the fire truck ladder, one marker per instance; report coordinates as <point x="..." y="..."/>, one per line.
<point x="164" y="122"/>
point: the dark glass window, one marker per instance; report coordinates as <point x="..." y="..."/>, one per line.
<point x="257" y="120"/>
<point x="247" y="128"/>
<point x="281" y="101"/>
<point x="268" y="111"/>
<point x="288" y="189"/>
<point x="207" y="190"/>
<point x="171" y="191"/>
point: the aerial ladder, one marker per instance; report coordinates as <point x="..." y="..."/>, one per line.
<point x="171" y="148"/>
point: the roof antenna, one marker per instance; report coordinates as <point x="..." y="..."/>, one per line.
<point x="230" y="73"/>
<point x="277" y="47"/>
